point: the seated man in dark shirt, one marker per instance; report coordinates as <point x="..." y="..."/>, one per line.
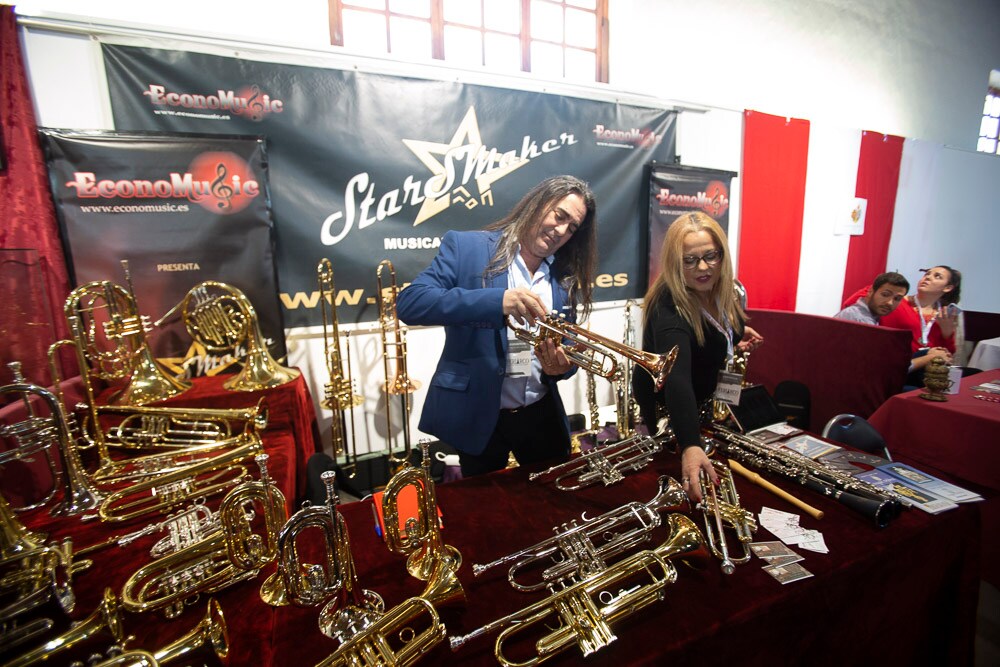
<point x="887" y="291"/>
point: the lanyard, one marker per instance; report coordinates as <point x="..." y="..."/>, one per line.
<point x="925" y="324"/>
<point x="727" y="332"/>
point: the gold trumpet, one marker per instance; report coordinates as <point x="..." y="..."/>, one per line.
<point x="220" y="317"/>
<point x="577" y="551"/>
<point x="33" y="578"/>
<point x="227" y="556"/>
<point x="399" y="637"/>
<point x="585" y="613"/>
<point x="160" y="494"/>
<point x="394" y="350"/>
<point x="593" y="352"/>
<point x="338" y="393"/>
<point x="351" y="607"/>
<point x="107" y="616"/>
<point x="15" y="538"/>
<point x="428" y="557"/>
<point x="722" y="510"/>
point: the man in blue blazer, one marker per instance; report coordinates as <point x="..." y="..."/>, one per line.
<point x="491" y="393"/>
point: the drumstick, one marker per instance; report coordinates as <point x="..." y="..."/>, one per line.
<point x="781" y="493"/>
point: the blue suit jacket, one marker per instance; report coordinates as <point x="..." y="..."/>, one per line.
<point x="463" y="399"/>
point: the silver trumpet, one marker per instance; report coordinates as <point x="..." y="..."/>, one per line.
<point x="585" y="613"/>
<point x="722" y="510"/>
<point x="607" y="464"/>
<point x="578" y="551"/>
<point x="593" y="352"/>
<point x="351" y="608"/>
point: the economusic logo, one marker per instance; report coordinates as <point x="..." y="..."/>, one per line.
<point x="219" y="181"/>
<point x="714" y="199"/>
<point x="633" y="137"/>
<point x="453" y="167"/>
<point x="250" y="101"/>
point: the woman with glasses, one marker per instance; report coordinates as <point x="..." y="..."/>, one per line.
<point x="693" y="304"/>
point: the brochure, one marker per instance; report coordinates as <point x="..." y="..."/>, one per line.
<point x="929" y="483"/>
<point x="851" y="461"/>
<point x="911" y="494"/>
<point x="809" y="446"/>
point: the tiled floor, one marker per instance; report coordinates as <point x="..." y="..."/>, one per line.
<point x="988" y="626"/>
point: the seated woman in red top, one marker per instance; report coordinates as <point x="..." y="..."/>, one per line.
<point x="933" y="316"/>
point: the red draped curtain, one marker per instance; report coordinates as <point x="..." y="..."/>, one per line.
<point x="35" y="284"/>
<point x="878" y="178"/>
<point x="775" y="150"/>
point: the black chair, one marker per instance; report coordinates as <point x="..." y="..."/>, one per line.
<point x="855" y="431"/>
<point x="794" y="402"/>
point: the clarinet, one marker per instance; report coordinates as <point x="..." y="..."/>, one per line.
<point x="869" y="500"/>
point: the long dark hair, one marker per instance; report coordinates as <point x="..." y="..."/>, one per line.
<point x="575" y="264"/>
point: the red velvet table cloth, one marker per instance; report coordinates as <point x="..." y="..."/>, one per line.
<point x="905" y="594"/>
<point x="959" y="440"/>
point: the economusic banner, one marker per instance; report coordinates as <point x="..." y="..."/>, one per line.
<point x="365" y="167"/>
<point x="676" y="189"/>
<point x="181" y="210"/>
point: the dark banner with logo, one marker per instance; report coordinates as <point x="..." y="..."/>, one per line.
<point x="181" y="210"/>
<point x="676" y="189"/>
<point x="365" y="167"/>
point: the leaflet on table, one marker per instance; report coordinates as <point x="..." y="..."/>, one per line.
<point x="909" y="493"/>
<point x="988" y="387"/>
<point x="930" y="483"/>
<point x="851" y="461"/>
<point x="809" y="446"/>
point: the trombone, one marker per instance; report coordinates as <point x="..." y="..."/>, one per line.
<point x="338" y="393"/>
<point x="394" y="350"/>
<point x="593" y="352"/>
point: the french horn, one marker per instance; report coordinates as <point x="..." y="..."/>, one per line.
<point x="233" y="553"/>
<point x="221" y="318"/>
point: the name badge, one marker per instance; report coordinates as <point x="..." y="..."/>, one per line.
<point x="728" y="388"/>
<point x="518" y="358"/>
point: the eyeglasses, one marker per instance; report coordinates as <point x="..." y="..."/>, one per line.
<point x="711" y="258"/>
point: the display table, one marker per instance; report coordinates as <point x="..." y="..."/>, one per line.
<point x="958" y="439"/>
<point x="986" y="356"/>
<point x="905" y="594"/>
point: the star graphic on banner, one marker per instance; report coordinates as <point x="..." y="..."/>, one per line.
<point x="466" y="143"/>
<point x="211" y="364"/>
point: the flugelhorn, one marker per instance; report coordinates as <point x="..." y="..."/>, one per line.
<point x="593" y="352"/>
<point x="233" y="553"/>
<point x="106" y="617"/>
<point x="111" y="341"/>
<point x="721" y="509"/>
<point x="607" y="463"/>
<point x="338" y="392"/>
<point x="350" y="607"/>
<point x="33" y="435"/>
<point x="397" y="380"/>
<point x="399" y="637"/>
<point x="79" y="494"/>
<point x="579" y="550"/>
<point x="428" y="557"/>
<point x="221" y="318"/>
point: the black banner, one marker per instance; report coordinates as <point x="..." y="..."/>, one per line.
<point x="676" y="189"/>
<point x="181" y="210"/>
<point x="365" y="167"/>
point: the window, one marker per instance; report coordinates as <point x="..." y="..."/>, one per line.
<point x="991" y="117"/>
<point x="555" y="39"/>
